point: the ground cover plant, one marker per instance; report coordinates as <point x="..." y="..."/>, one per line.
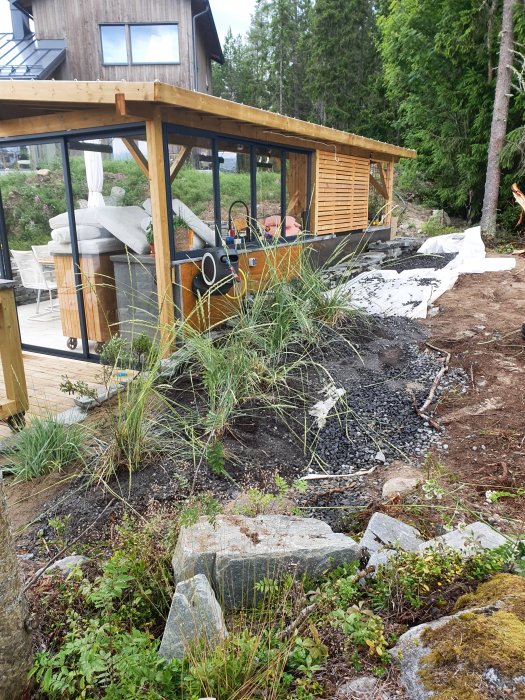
<point x="46" y="445"/>
<point x="100" y="627"/>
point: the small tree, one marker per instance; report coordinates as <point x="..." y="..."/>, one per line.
<point x="15" y="640"/>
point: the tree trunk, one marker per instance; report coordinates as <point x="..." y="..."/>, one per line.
<point x="15" y="640"/>
<point x="499" y="120"/>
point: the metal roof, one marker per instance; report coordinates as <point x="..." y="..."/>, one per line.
<point x="29" y="58"/>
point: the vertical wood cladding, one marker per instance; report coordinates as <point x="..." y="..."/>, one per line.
<point x="78" y="22"/>
<point x="342" y="184"/>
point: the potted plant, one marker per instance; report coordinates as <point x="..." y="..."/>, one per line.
<point x="149" y="238"/>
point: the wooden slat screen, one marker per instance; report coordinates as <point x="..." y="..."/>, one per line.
<point x="342" y="184"/>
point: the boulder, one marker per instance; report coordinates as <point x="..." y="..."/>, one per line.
<point x="235" y="552"/>
<point x="362" y="688"/>
<point x="385" y="534"/>
<point x="478" y="652"/>
<point x="468" y="539"/>
<point x="195" y="615"/>
<point x="399" y="486"/>
<point x="441" y="216"/>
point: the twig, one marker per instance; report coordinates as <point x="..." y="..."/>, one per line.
<point x="422" y="411"/>
<point x="315" y="477"/>
<point x="298" y="622"/>
<point x="41" y="571"/>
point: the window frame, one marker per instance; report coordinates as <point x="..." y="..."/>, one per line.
<point x="129" y="47"/>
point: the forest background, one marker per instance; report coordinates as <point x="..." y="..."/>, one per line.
<point x="420" y="73"/>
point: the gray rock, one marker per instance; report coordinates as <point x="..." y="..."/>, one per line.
<point x="441" y="216"/>
<point x="384" y="532"/>
<point x="468" y="539"/>
<point x="399" y="486"/>
<point x="410" y="652"/>
<point x="65" y="565"/>
<point x="236" y="552"/>
<point x="362" y="688"/>
<point x="71" y="416"/>
<point x="194" y="615"/>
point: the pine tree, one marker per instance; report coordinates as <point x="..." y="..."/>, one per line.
<point x="500" y="115"/>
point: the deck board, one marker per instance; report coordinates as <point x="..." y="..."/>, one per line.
<point x="43" y="375"/>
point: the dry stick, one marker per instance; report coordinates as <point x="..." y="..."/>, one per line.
<point x="41" y="572"/>
<point x="422" y="411"/>
<point x="315" y="477"/>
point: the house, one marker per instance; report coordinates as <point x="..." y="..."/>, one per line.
<point x="174" y="41"/>
<point x="300" y="183"/>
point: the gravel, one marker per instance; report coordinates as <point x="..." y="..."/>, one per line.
<point x="380" y="398"/>
<point x="413" y="262"/>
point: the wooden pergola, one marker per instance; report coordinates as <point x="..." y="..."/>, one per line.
<point x="340" y="162"/>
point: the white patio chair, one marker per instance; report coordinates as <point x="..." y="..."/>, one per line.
<point x="34" y="276"/>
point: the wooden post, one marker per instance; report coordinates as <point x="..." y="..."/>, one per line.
<point x="11" y="356"/>
<point x="161" y="233"/>
<point x="389" y="186"/>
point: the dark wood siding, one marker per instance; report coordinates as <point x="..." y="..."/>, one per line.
<point x="78" y="22"/>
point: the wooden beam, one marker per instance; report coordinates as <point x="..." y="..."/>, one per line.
<point x="181" y="158"/>
<point x="389" y="184"/>
<point x="161" y="232"/>
<point x="120" y="104"/>
<point x="379" y="186"/>
<point x="139" y="157"/>
<point x="11" y="356"/>
<point x="78" y="93"/>
<point x="63" y="121"/>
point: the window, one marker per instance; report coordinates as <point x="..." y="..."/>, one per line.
<point x="114" y="49"/>
<point x="125" y="44"/>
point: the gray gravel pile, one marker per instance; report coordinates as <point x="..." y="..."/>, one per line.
<point x="381" y="424"/>
<point x="416" y="262"/>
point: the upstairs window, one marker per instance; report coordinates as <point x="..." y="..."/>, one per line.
<point x="139" y="44"/>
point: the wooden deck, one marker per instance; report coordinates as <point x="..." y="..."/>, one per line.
<point x="44" y="375"/>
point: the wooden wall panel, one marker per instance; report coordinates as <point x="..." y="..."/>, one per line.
<point x="341" y="192"/>
<point x="281" y="263"/>
<point x="98" y="289"/>
<point x="78" y="23"/>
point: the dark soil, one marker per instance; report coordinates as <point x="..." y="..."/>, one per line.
<point x="383" y="372"/>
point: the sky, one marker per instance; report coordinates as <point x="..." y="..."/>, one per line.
<point x="227" y="13"/>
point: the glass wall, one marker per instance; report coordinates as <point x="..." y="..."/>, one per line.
<point x="268" y="189"/>
<point x="34" y="198"/>
<point x="235" y="189"/>
<point x="193" y="192"/>
<point x="112" y="212"/>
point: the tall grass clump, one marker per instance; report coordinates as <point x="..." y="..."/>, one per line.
<point x="271" y="339"/>
<point x="45" y="446"/>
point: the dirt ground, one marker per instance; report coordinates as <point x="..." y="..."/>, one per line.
<point x="480" y="323"/>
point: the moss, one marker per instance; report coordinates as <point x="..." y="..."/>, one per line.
<point x="469" y="644"/>
<point x="507" y="588"/>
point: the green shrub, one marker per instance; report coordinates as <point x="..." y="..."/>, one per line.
<point x="46" y="445"/>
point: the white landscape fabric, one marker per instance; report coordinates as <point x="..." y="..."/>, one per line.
<point x="410" y="293"/>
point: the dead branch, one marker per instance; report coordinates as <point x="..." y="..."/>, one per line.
<point x="422" y="411"/>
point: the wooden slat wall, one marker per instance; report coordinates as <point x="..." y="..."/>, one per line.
<point x="342" y="183"/>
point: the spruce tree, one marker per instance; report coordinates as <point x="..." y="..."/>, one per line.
<point x="344" y="63"/>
